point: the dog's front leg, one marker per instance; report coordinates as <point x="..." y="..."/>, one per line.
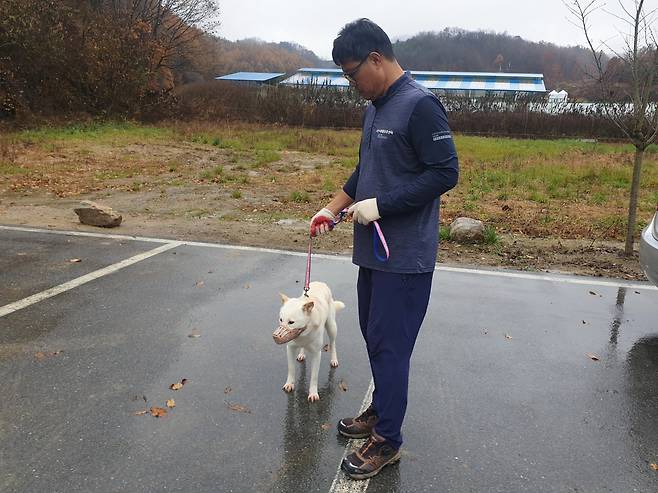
<point x="289" y="386"/>
<point x="314" y="360"/>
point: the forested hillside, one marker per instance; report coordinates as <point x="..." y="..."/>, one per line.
<point x="126" y="57"/>
<point x="480" y="51"/>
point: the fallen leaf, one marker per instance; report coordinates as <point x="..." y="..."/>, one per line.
<point x="199" y="284"/>
<point x="592" y="356"/>
<point x="47" y="354"/>
<point x="171" y="403"/>
<point x="194" y="335"/>
<point x="178" y="385"/>
<point x="654" y="467"/>
<point x="343" y="385"/>
<point x="75" y="260"/>
<point x="325" y="426"/>
<point x="247" y="286"/>
<point x="228" y="390"/>
<point x="158" y="412"/>
<point x="141" y="413"/>
<point x="238" y="408"/>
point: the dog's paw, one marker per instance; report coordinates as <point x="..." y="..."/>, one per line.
<point x="289" y="387"/>
<point x="334" y="363"/>
<point x="301" y="357"/>
<point x="313" y="397"/>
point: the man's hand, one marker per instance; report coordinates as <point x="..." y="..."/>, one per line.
<point x="365" y="211"/>
<point x="322" y="222"/>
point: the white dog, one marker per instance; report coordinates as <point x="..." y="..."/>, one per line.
<point x="302" y="322"/>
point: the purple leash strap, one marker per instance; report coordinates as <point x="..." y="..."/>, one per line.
<point x="378" y="235"/>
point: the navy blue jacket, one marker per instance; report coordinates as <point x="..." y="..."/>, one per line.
<point x="407" y="159"/>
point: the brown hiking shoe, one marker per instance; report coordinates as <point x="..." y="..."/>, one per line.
<point x="371" y="458"/>
<point x="359" y="427"/>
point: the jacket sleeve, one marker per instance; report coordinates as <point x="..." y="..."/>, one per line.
<point x="432" y="142"/>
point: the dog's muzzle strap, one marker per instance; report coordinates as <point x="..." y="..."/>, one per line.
<point x="285" y="334"/>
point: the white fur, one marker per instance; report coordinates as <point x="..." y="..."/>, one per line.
<point x="315" y="313"/>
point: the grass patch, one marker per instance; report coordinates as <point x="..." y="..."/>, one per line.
<point x="11" y="169"/>
<point x="539" y="197"/>
<point x="118" y="133"/>
<point x="490" y="235"/>
<point x="212" y="173"/>
<point x="265" y="157"/>
<point x="236" y="194"/>
<point x="299" y="197"/>
<point x="444" y="233"/>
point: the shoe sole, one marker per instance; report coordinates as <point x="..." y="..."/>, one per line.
<point x="354" y="435"/>
<point x="392" y="460"/>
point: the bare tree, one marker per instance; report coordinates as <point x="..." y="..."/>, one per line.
<point x="630" y="106"/>
<point x="171" y="24"/>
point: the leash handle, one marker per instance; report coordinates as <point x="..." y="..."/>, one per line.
<point x="341" y="215"/>
<point x="307" y="280"/>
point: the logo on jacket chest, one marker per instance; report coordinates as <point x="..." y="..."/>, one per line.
<point x="383" y="133"/>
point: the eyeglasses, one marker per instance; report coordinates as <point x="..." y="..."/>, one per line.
<point x="351" y="75"/>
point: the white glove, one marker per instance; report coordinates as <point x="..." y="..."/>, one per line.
<point x="365" y="211"/>
<point x="321" y="222"/>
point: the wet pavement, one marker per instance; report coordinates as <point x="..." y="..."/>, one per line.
<point x="503" y="396"/>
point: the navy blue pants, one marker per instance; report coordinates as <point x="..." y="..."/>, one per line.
<point x="391" y="310"/>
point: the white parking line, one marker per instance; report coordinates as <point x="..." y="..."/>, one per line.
<point x="566" y="279"/>
<point x="342" y="483"/>
<point x="49" y="293"/>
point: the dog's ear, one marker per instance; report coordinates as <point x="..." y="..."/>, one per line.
<point x="284" y="298"/>
<point x="308" y="306"/>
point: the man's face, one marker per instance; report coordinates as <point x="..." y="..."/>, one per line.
<point x="365" y="75"/>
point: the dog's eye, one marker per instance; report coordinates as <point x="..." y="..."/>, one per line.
<point x="280" y="320"/>
<point x="290" y="322"/>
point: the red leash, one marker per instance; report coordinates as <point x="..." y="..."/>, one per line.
<point x="377" y="234"/>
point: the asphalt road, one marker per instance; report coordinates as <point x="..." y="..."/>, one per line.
<point x="503" y="396"/>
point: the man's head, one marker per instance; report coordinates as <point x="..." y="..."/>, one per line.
<point x="365" y="54"/>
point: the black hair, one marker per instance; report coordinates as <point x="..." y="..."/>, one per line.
<point x="358" y="39"/>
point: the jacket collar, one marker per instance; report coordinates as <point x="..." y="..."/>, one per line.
<point x="392" y="89"/>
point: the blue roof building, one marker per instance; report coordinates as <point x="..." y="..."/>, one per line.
<point x="253" y="78"/>
<point x="470" y="84"/>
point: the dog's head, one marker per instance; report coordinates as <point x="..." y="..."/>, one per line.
<point x="294" y="317"/>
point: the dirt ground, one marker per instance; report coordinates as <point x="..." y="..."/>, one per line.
<point x="170" y="191"/>
<point x="144" y="216"/>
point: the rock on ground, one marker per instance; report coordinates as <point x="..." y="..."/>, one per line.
<point x="99" y="215"/>
<point x="467" y="230"/>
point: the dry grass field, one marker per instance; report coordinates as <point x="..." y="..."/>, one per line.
<point x="551" y="205"/>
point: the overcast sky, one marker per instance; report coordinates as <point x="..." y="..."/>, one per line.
<point x="315" y="23"/>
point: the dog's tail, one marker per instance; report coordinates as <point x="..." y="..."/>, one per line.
<point x="339" y="305"/>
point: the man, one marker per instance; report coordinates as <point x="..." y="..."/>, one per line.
<point x="407" y="159"/>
